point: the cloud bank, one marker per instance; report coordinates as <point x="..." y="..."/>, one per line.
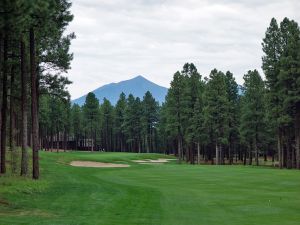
<point x="119" y="39"/>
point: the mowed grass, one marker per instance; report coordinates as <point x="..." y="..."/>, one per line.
<point x="167" y="194"/>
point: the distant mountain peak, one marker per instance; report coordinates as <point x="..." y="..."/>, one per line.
<point x="137" y="86"/>
<point x="139" y="77"/>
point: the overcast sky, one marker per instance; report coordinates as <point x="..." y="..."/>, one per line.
<point x="119" y="39"/>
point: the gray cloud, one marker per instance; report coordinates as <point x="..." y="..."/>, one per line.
<point x="120" y="39"/>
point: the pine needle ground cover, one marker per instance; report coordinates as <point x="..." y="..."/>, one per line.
<point x="166" y="194"/>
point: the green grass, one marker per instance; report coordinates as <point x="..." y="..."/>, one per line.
<point x="168" y="194"/>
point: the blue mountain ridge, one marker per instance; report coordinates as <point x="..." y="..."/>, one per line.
<point x="136" y="86"/>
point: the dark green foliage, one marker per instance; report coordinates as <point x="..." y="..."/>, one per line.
<point x="119" y="115"/>
<point x="91" y="115"/>
<point x="106" y="124"/>
<point x="281" y="64"/>
<point x="149" y="120"/>
<point x="32" y="32"/>
<point x="253" y="127"/>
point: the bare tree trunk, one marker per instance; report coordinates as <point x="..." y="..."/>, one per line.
<point x="52" y="144"/>
<point x="245" y="157"/>
<point x="65" y="140"/>
<point x="297" y="136"/>
<point x="179" y="149"/>
<point x="250" y="154"/>
<point x="192" y="155"/>
<point x="34" y="108"/>
<point x="279" y="149"/>
<point x="92" y="146"/>
<point x="4" y="105"/>
<point x="229" y="154"/>
<point x="1" y="82"/>
<point x="256" y="151"/>
<point x="57" y="140"/>
<point x="217" y="155"/>
<point x="147" y="144"/>
<point x="198" y="152"/>
<point x="12" y="124"/>
<point x="288" y="151"/>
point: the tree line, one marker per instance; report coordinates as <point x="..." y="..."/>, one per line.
<point x="131" y="125"/>
<point x="210" y="119"/>
<point x="34" y="52"/>
<point x="203" y="119"/>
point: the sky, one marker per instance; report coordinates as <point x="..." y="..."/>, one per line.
<point x="119" y="39"/>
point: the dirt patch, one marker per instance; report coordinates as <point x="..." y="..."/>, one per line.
<point x="3" y="202"/>
<point x="27" y="213"/>
<point x="150" y="161"/>
<point x="97" y="164"/>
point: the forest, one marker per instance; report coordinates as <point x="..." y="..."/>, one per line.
<point x="34" y="53"/>
<point x="205" y="119"/>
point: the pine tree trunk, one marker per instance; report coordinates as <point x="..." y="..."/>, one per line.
<point x="139" y="143"/>
<point x="12" y="125"/>
<point x="245" y="157"/>
<point x="221" y="154"/>
<point x="250" y="155"/>
<point x="288" y="152"/>
<point x="4" y="105"/>
<point x="91" y="137"/>
<point x="198" y="152"/>
<point x="217" y="154"/>
<point x="1" y="38"/>
<point x="34" y="108"/>
<point x="52" y="141"/>
<point x="179" y="149"/>
<point x="256" y="151"/>
<point x="279" y="149"/>
<point x="65" y="140"/>
<point x="57" y="140"/>
<point x="147" y="144"/>
<point x="297" y="136"/>
<point x="229" y="154"/>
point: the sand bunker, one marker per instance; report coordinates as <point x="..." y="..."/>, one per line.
<point x="151" y="161"/>
<point x="97" y="164"/>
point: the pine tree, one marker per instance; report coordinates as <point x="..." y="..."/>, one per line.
<point x="288" y="81"/>
<point x="91" y="113"/>
<point x="76" y="123"/>
<point x="281" y="66"/>
<point x="106" y="118"/>
<point x="175" y="110"/>
<point x="191" y="91"/>
<point x="149" y="120"/>
<point x="128" y="121"/>
<point x="253" y="113"/>
<point x="119" y="114"/>
<point x="233" y="113"/>
<point x="217" y="108"/>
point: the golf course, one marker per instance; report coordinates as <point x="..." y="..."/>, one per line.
<point x="156" y="193"/>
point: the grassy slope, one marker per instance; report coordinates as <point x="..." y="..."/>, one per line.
<point x="149" y="194"/>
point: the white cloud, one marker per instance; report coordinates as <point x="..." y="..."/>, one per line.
<point x="119" y="39"/>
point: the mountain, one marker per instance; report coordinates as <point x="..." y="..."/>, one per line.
<point x="136" y="86"/>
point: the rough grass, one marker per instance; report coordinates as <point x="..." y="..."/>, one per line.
<point x="149" y="194"/>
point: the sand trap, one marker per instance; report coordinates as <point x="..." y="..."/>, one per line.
<point x="97" y="164"/>
<point x="149" y="161"/>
